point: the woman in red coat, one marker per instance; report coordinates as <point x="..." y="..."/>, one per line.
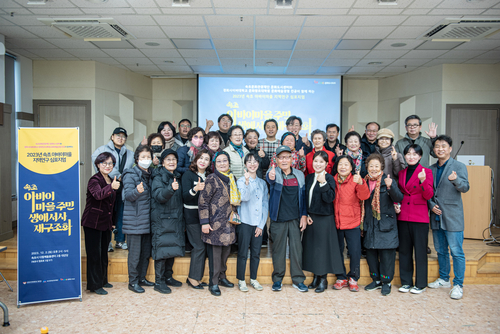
<point x="318" y="138"/>
<point x="351" y="189"/>
<point x="97" y="220"/>
<point x="416" y="184"/>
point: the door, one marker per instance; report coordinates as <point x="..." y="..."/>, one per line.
<point x="70" y="114"/>
<point x="478" y="127"/>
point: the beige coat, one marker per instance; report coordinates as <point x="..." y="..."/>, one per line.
<point x="237" y="166"/>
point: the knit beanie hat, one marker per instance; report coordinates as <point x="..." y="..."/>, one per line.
<point x="385" y="133"/>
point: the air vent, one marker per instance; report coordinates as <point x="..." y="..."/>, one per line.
<point x="457" y="30"/>
<point x="284" y="4"/>
<point x="97" y="29"/>
<point x="180" y="3"/>
<point x="387" y="2"/>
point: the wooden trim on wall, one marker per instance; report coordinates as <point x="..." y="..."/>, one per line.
<point x="1" y="114"/>
<point x="86" y="103"/>
<point x="25" y="116"/>
<point x="449" y="107"/>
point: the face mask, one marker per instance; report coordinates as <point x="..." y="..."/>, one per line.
<point x="145" y="163"/>
<point x="197" y="142"/>
<point x="157" y="148"/>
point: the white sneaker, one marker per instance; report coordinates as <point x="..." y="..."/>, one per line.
<point x="256" y="285"/>
<point x="457" y="292"/>
<point x="416" y="290"/>
<point x="439" y="283"/>
<point x="243" y="286"/>
<point x="405" y="288"/>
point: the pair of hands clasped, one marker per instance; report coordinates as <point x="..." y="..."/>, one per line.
<point x="435" y="209"/>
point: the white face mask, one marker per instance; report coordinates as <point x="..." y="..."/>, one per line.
<point x="145" y="163"/>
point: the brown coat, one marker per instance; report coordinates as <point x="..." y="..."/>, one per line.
<point x="98" y="213"/>
<point x="214" y="207"/>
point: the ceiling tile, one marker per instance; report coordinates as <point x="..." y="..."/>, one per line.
<point x="15" y="32"/>
<point x="277" y="32"/>
<point x="228" y="11"/>
<point x="408" y="32"/>
<point x="56" y="11"/>
<point x="203" y="61"/>
<point x="325" y="3"/>
<point x="49" y="53"/>
<point x="386" y="53"/>
<point x="424" y="4"/>
<point x="194" y="53"/>
<point x="415" y="11"/>
<point x="175" y="69"/>
<point x="430" y="45"/>
<point x="333" y="69"/>
<point x="161" y="61"/>
<point x="456" y="12"/>
<point x="30" y="43"/>
<point x="141" y="43"/>
<point x="23" y="20"/>
<point x="467" y="4"/>
<point x="272" y="54"/>
<point x="146" y="31"/>
<point x="123" y="53"/>
<point x="275" y="61"/>
<point x="192" y="43"/>
<point x="376" y="11"/>
<point x="280" y="21"/>
<point x="142" y="3"/>
<point x="269" y="69"/>
<point x="365" y="69"/>
<point x="234" y="32"/>
<point x="148" y="11"/>
<point x="87" y="53"/>
<point x="136" y="20"/>
<point x="341" y="61"/>
<point x="379" y="20"/>
<point x="186" y="32"/>
<point x="368" y="32"/>
<point x="70" y="43"/>
<point x="410" y="62"/>
<point x="482" y="61"/>
<point x="386" y="44"/>
<point x="322" y="32"/>
<point x="463" y="54"/>
<point x="237" y="44"/>
<point x="423" y="20"/>
<point x="493" y="12"/>
<point x="109" y="4"/>
<point x="207" y="69"/>
<point x="322" y="54"/>
<point x="193" y="4"/>
<point x="187" y="11"/>
<point x="236" y="61"/>
<point x="397" y="69"/>
<point x="435" y="62"/>
<point x="28" y="54"/>
<point x="315" y="44"/>
<point x="348" y="54"/>
<point x="485" y="44"/>
<point x="235" y="53"/>
<point x="46" y="32"/>
<point x="238" y="69"/>
<point x="490" y="55"/>
<point x="374" y="4"/>
<point x="330" y="12"/>
<point x="108" y="11"/>
<point x="306" y="61"/>
<point x="160" y="53"/>
<point x="142" y="68"/>
<point x="133" y="61"/>
<point x="179" y="20"/>
<point x="233" y="20"/>
<point x="113" y="45"/>
<point x="240" y="4"/>
<point x="357" y="44"/>
<point x="274" y="44"/>
<point x="424" y="53"/>
<point x="329" y="21"/>
<point x="301" y="70"/>
<point x="384" y="61"/>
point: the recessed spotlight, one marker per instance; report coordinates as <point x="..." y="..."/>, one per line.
<point x="398" y="45"/>
<point x="168" y="61"/>
<point x="152" y="44"/>
<point x="375" y="63"/>
<point x="269" y="63"/>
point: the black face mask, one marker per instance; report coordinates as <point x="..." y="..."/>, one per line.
<point x="156" y="148"/>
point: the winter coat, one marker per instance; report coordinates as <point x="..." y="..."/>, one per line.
<point x="98" y="213"/>
<point x="347" y="202"/>
<point x="189" y="195"/>
<point x="337" y="143"/>
<point x="309" y="161"/>
<point x="167" y="216"/>
<point x="236" y="164"/>
<point x="392" y="167"/>
<point x="367" y="147"/>
<point x="121" y="162"/>
<point x="423" y="142"/>
<point x="263" y="162"/>
<point x="214" y="209"/>
<point x="184" y="159"/>
<point x="416" y="194"/>
<point x="276" y="187"/>
<point x="383" y="233"/>
<point x="137" y="206"/>
<point x="322" y="197"/>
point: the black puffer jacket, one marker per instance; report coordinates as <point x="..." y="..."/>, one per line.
<point x="136" y="218"/>
<point x="382" y="234"/>
<point x="167" y="221"/>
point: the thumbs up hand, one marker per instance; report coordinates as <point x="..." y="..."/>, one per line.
<point x="351" y="129"/>
<point x="210" y="123"/>
<point x="175" y="184"/>
<point x="144" y="141"/>
<point x="262" y="154"/>
<point x="394" y="154"/>
<point x="321" y="178"/>
<point x="140" y="188"/>
<point x="272" y="174"/>
<point x="388" y="181"/>
<point x="247" y="176"/>
<point x="301" y="152"/>
<point x="115" y="184"/>
<point x="357" y="178"/>
<point x="422" y="176"/>
<point x="338" y="151"/>
<point x="200" y="185"/>
<point x="453" y="176"/>
<point x="305" y="139"/>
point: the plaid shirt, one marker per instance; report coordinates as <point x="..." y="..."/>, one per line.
<point x="269" y="146"/>
<point x="297" y="161"/>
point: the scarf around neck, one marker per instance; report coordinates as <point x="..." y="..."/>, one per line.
<point x="193" y="150"/>
<point x="235" y="195"/>
<point x="238" y="148"/>
<point x="376" y="197"/>
<point x="357" y="157"/>
<point x="169" y="143"/>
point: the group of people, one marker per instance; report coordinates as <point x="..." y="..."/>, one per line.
<point x="213" y="189"/>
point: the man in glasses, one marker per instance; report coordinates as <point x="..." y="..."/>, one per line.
<point x="181" y="137"/>
<point x="369" y="139"/>
<point x="413" y="125"/>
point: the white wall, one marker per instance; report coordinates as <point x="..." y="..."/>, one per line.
<point x="2" y="72"/>
<point x="360" y="104"/>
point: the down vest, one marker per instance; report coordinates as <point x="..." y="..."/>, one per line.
<point x="136" y="219"/>
<point x="347" y="202"/>
<point x="167" y="220"/>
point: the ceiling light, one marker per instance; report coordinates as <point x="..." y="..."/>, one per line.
<point x="180" y="3"/>
<point x="375" y="63"/>
<point x="97" y="1"/>
<point x="269" y="63"/>
<point x="152" y="44"/>
<point x="284" y="4"/>
<point x="168" y="61"/>
<point x="36" y="2"/>
<point x="398" y="45"/>
<point x="387" y="2"/>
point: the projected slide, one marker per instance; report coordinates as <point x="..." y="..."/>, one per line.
<point x="250" y="101"/>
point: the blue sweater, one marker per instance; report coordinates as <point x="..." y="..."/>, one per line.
<point x="276" y="187"/>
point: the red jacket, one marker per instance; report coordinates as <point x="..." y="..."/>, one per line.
<point x="98" y="213"/>
<point x="414" y="205"/>
<point x="347" y="203"/>
<point x="309" y="161"/>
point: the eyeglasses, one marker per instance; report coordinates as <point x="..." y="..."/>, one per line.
<point x="252" y="162"/>
<point x="185" y="126"/>
<point x="121" y="137"/>
<point x="285" y="158"/>
<point x="171" y="160"/>
<point x="413" y="125"/>
<point x="225" y="121"/>
<point x="371" y="131"/>
<point x="107" y="164"/>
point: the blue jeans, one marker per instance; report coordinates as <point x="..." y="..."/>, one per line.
<point x="118" y="217"/>
<point x="454" y="240"/>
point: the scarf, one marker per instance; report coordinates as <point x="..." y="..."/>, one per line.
<point x="235" y="195"/>
<point x="376" y="197"/>
<point x="238" y="148"/>
<point x="193" y="150"/>
<point x="169" y="143"/>
<point x="357" y="157"/>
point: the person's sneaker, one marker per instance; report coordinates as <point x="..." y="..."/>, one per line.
<point x="276" y="286"/>
<point x="256" y="285"/>
<point x="353" y="285"/>
<point x="110" y="247"/>
<point x="416" y="290"/>
<point x="341" y="283"/>
<point x="301" y="287"/>
<point x="121" y="245"/>
<point x="101" y="291"/>
<point x="439" y="283"/>
<point x="243" y="286"/>
<point x="405" y="288"/>
<point x="373" y="286"/>
<point x="386" y="289"/>
<point x="457" y="292"/>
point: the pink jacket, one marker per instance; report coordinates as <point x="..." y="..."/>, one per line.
<point x="414" y="204"/>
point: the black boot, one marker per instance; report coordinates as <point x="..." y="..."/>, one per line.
<point x="323" y="284"/>
<point x="314" y="283"/>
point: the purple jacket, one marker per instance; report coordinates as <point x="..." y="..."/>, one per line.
<point x="98" y="213"/>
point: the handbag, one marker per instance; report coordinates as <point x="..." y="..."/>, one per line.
<point x="234" y="217"/>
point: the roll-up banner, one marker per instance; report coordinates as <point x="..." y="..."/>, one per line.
<point x="48" y="211"/>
